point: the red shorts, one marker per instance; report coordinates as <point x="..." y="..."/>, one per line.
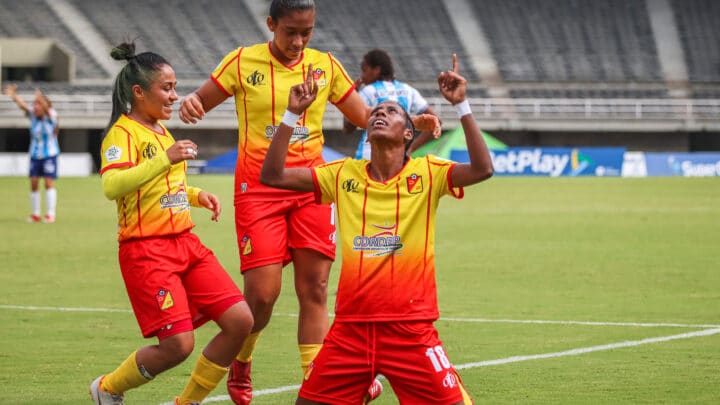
<point x="171" y="280"/>
<point x="409" y="354"/>
<point x="268" y="230"/>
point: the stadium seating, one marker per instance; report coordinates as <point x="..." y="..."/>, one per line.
<point x="33" y="19"/>
<point x="553" y="49"/>
<point x="697" y="22"/>
<point x="570" y="40"/>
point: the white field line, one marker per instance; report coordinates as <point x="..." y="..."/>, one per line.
<point x="514" y="359"/>
<point x="470" y="320"/>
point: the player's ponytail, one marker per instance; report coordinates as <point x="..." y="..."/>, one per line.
<point x="140" y="69"/>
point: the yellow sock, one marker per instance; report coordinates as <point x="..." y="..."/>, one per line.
<point x="125" y="377"/>
<point x="248" y="347"/>
<point x="307" y="355"/>
<point x="203" y="379"/>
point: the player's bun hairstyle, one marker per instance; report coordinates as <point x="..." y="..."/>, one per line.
<point x="379" y="58"/>
<point x="281" y="8"/>
<point x="140" y="69"/>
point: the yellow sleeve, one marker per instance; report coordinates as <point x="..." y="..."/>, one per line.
<point x="225" y="74"/>
<point x="325" y="179"/>
<point x="193" y="194"/>
<point x="122" y="181"/>
<point x="341" y="84"/>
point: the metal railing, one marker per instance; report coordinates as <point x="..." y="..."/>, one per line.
<point x="94" y="107"/>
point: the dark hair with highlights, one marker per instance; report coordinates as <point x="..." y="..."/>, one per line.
<point x="281" y="8"/>
<point x="140" y="69"/>
<point x="379" y="58"/>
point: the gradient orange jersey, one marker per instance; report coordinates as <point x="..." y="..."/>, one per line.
<point x="261" y="84"/>
<point x="387" y="234"/>
<point x="162" y="205"/>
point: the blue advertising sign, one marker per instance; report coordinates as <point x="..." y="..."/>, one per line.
<point x="696" y="164"/>
<point x="553" y="162"/>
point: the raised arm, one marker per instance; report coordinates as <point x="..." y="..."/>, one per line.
<point x="194" y="106"/>
<point x="453" y="87"/>
<point x="11" y="90"/>
<point x="274" y="173"/>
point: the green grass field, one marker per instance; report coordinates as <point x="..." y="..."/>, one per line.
<point x="567" y="290"/>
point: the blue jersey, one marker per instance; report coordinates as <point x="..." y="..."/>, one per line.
<point x="375" y="93"/>
<point x="43" y="141"/>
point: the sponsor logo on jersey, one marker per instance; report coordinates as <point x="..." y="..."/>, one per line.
<point x="150" y="151"/>
<point x="255" y="79"/>
<point x="450" y="381"/>
<point x="414" y="184"/>
<point x="300" y="133"/>
<point x="350" y="186"/>
<point x="178" y="200"/>
<point x="383" y="243"/>
<point x="164" y="299"/>
<point x="113" y="153"/>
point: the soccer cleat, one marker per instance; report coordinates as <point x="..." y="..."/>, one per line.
<point x="374" y="391"/>
<point x="48" y="219"/>
<point x="102" y="397"/>
<point x="34" y="218"/>
<point x="239" y="385"/>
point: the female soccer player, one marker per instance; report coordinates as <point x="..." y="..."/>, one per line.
<point x="44" y="150"/>
<point x="175" y="284"/>
<point x="275" y="227"/>
<point x="379" y="84"/>
<point x="387" y="297"/>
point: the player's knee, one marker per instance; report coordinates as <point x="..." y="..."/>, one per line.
<point x="175" y="349"/>
<point x="312" y="291"/>
<point x="237" y="321"/>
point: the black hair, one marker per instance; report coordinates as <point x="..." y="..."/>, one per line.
<point x="140" y="69"/>
<point x="281" y="8"/>
<point x="380" y="58"/>
<point x="408" y="123"/>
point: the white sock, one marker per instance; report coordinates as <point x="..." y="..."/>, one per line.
<point x="35" y="202"/>
<point x="51" y="197"/>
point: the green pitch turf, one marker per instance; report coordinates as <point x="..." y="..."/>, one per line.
<point x="552" y="291"/>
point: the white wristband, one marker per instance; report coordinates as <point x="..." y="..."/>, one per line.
<point x="290" y="118"/>
<point x="462" y="108"/>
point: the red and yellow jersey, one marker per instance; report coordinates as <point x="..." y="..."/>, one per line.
<point x="387" y="234"/>
<point x="160" y="206"/>
<point x="261" y="84"/>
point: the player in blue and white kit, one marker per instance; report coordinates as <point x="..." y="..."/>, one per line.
<point x="378" y="78"/>
<point x="44" y="149"/>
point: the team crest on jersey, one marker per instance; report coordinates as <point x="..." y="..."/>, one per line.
<point x="164" y="299"/>
<point x="113" y="153"/>
<point x="319" y="76"/>
<point x="246" y="245"/>
<point x="414" y="184"/>
<point x="309" y="370"/>
<point x="255" y="79"/>
<point x="150" y="151"/>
